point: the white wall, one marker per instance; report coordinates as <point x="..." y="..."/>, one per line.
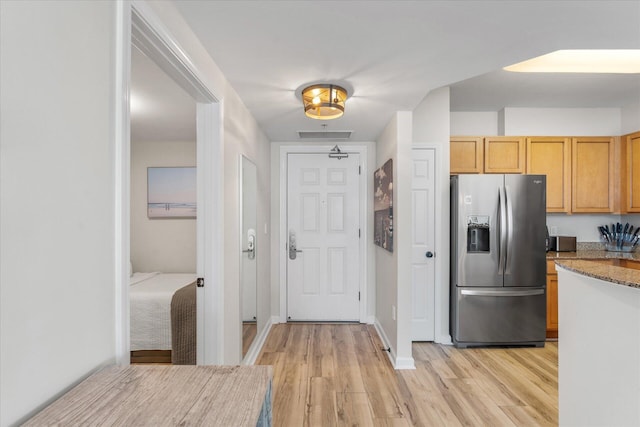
<point x="630" y="121"/>
<point x="387" y="262"/>
<point x="241" y="135"/>
<point x="543" y="121"/>
<point x="431" y="124"/>
<point x="562" y="121"/>
<point x="244" y="137"/>
<point x="583" y="226"/>
<point x="165" y="245"/>
<point x="57" y="270"/>
<point x="466" y="123"/>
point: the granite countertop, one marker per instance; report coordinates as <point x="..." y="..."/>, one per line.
<point x="609" y="273"/>
<point x="593" y="254"/>
<point x="581" y="262"/>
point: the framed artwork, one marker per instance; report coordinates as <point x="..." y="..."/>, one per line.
<point x="171" y="192"/>
<point x="383" y="206"/>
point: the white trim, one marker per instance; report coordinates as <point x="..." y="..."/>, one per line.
<point x="122" y="180"/>
<point x="405" y="363"/>
<point x="210" y="246"/>
<point x="441" y="312"/>
<point x="158" y="43"/>
<point x="285" y="150"/>
<point x="391" y="354"/>
<point x="256" y="347"/>
<point x="399" y="363"/>
<point x="150" y="35"/>
<point x="240" y="255"/>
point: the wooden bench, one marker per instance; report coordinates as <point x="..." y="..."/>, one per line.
<point x="165" y="396"/>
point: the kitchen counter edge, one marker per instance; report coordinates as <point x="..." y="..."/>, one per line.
<point x="615" y="274"/>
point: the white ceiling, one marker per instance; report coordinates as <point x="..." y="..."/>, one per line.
<point x="392" y="53"/>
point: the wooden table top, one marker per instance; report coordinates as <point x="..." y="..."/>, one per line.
<point x="162" y="396"/>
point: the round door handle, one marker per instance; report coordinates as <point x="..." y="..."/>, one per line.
<point x="429" y="254"/>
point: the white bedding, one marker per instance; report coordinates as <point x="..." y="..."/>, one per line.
<point x="150" y="299"/>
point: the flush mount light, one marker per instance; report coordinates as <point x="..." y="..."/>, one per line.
<point x="622" y="61"/>
<point x="324" y="101"/>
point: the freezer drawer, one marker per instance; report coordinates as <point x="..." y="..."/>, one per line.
<point x="499" y="316"/>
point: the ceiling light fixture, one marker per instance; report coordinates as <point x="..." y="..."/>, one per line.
<point x="324" y="101"/>
<point x="622" y="61"/>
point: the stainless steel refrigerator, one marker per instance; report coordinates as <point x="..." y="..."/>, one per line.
<point x="498" y="260"/>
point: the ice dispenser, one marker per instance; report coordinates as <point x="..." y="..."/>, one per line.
<point x="478" y="233"/>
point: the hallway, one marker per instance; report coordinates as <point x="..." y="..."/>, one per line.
<point x="338" y="374"/>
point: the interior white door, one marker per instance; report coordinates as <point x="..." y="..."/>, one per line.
<point x="423" y="245"/>
<point x="323" y="223"/>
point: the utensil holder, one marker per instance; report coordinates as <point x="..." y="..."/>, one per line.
<point x="626" y="247"/>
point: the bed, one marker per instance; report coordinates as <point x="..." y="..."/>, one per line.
<point x="154" y="299"/>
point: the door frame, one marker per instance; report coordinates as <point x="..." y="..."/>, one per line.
<point x="136" y="23"/>
<point x="323" y="149"/>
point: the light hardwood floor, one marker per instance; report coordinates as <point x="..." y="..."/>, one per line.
<point x="338" y="374"/>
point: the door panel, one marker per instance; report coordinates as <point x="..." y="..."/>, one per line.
<point x="526" y="257"/>
<point x="477" y="200"/>
<point x="485" y="315"/>
<point x="423" y="241"/>
<point x="323" y="214"/>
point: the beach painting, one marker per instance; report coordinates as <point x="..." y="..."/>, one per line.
<point x="171" y="192"/>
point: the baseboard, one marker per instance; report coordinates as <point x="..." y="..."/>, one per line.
<point x="444" y="339"/>
<point x="397" y="362"/>
<point x="405" y="363"/>
<point x="391" y="354"/>
<point x="255" y="349"/>
<point x="370" y="320"/>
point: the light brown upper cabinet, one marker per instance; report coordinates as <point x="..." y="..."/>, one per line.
<point x="551" y="156"/>
<point x="466" y="154"/>
<point x="504" y="154"/>
<point x="592" y="184"/>
<point x="633" y="172"/>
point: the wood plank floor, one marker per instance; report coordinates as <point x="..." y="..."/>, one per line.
<point x="338" y="374"/>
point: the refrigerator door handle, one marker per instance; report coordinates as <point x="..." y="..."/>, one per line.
<point x="502" y="251"/>
<point x="501" y="293"/>
<point x="507" y="257"/>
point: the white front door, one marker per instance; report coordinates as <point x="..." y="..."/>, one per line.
<point x="323" y="231"/>
<point x="423" y="245"/>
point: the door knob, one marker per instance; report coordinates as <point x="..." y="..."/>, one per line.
<point x="429" y="254"/>
<point x="251" y="244"/>
<point x="293" y="250"/>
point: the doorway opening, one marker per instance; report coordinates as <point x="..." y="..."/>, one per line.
<point x="138" y="25"/>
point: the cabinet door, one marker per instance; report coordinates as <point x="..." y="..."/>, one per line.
<point x="466" y="154"/>
<point x="633" y="172"/>
<point x="504" y="154"/>
<point x="551" y="156"/>
<point x="592" y="167"/>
